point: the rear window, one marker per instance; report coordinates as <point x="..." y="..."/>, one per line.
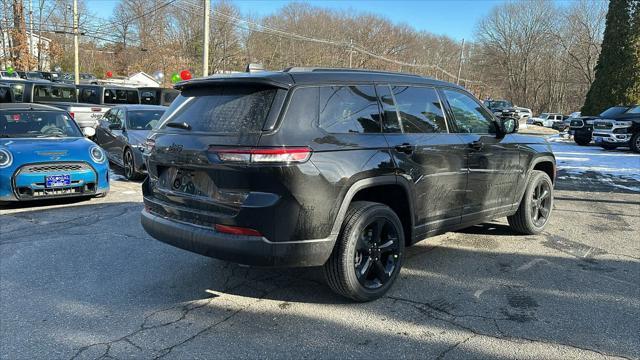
<point x="121" y="96"/>
<point x="54" y="93"/>
<point x="228" y="110"/>
<point x="349" y="109"/>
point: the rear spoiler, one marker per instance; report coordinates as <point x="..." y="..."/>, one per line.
<point x="239" y="80"/>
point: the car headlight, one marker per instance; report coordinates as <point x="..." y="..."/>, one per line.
<point x="97" y="154"/>
<point x="623" y="123"/>
<point x="6" y="159"/>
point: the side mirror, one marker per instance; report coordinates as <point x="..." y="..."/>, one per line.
<point x="507" y="125"/>
<point x="89" y="132"/>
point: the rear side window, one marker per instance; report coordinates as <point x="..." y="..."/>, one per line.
<point x="54" y="93"/>
<point x="228" y="110"/>
<point x="118" y="96"/>
<point x="420" y="109"/>
<point x="89" y="95"/>
<point x="349" y="109"/>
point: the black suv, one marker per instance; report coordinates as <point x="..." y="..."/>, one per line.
<point x="335" y="168"/>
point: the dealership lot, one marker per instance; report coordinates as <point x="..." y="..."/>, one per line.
<point x="82" y="280"/>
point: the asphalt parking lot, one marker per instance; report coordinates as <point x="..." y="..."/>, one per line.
<point x="82" y="280"/>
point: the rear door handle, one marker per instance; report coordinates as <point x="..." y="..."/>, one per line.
<point x="476" y="145"/>
<point x="405" y="148"/>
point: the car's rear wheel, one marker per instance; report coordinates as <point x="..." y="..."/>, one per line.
<point x="635" y="142"/>
<point x="536" y="205"/>
<point x="608" y="146"/>
<point x="368" y="253"/>
<point x="130" y="166"/>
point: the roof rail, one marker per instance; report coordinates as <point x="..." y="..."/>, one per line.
<point x="325" y="69"/>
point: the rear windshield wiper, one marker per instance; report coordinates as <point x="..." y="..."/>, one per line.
<point x="179" y="125"/>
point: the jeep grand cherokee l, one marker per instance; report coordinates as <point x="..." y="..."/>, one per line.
<point x="335" y="168"/>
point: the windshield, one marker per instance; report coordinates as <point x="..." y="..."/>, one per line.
<point x="143" y="119"/>
<point x="498" y="104"/>
<point x="634" y="110"/>
<point x="34" y="75"/>
<point x="32" y="124"/>
<point x="613" y="111"/>
<point x="54" y="93"/>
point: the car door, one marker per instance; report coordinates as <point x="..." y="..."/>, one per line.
<point x="111" y="131"/>
<point x="103" y="136"/>
<point x="119" y="133"/>
<point x="493" y="163"/>
<point x="431" y="159"/>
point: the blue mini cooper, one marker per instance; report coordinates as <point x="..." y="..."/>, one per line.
<point x="43" y="154"/>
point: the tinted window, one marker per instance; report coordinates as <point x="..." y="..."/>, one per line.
<point x="89" y="95"/>
<point x="635" y="110"/>
<point x="121" y="96"/>
<point x="143" y="119"/>
<point x="169" y="97"/>
<point x="148" y="97"/>
<point x="6" y="95"/>
<point x="349" y="109"/>
<point x="613" y="111"/>
<point x="31" y="124"/>
<point x="420" y="109"/>
<point x="18" y="91"/>
<point x="54" y="93"/>
<point x="231" y="109"/>
<point x="468" y="114"/>
<point x="390" y="121"/>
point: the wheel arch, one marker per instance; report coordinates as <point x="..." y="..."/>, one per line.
<point x="388" y="190"/>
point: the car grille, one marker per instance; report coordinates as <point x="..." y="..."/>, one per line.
<point x="51" y="167"/>
<point x="577" y="123"/>
<point x="602" y="125"/>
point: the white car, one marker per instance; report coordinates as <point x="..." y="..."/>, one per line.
<point x="524" y="113"/>
<point x="546" y="119"/>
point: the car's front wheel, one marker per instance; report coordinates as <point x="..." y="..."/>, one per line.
<point x="582" y="139"/>
<point x="635" y="142"/>
<point x="368" y="253"/>
<point x="536" y="205"/>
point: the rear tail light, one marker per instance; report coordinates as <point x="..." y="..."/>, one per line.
<point x="96" y="109"/>
<point x="263" y="155"/>
<point x="73" y="115"/>
<point x="236" y="230"/>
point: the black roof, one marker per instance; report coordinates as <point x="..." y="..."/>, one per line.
<point x="134" y="107"/>
<point x="28" y="106"/>
<point x="306" y="76"/>
<point x="107" y="86"/>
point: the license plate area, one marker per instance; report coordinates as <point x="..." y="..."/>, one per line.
<point x="186" y="181"/>
<point x="55" y="181"/>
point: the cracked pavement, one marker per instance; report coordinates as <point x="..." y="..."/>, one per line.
<point x="81" y="280"/>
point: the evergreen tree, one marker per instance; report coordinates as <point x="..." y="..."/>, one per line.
<point x="616" y="61"/>
<point x="633" y="93"/>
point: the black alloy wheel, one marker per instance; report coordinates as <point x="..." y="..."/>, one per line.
<point x="541" y="203"/>
<point x="129" y="165"/>
<point x="377" y="253"/>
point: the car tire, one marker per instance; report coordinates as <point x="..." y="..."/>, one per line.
<point x="582" y="140"/>
<point x="129" y="163"/>
<point x="608" y="146"/>
<point x="635" y="143"/>
<point x="368" y="253"/>
<point x="534" y="203"/>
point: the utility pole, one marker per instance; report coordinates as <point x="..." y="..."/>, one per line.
<point x="30" y="35"/>
<point x="205" y="55"/>
<point x="76" y="64"/>
<point x="460" y="63"/>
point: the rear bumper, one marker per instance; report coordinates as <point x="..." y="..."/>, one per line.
<point x="248" y="250"/>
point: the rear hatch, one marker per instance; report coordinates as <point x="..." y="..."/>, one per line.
<point x="199" y="157"/>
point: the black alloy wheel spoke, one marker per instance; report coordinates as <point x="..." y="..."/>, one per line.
<point x="377" y="252"/>
<point x="381" y="272"/>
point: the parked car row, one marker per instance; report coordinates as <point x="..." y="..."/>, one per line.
<point x="48" y="76"/>
<point x="615" y="127"/>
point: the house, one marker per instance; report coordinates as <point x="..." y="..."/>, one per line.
<point x="33" y="40"/>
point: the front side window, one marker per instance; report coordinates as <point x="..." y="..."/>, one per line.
<point x="420" y="109"/>
<point x="349" y="109"/>
<point x="89" y="95"/>
<point x="37" y="124"/>
<point x="468" y="114"/>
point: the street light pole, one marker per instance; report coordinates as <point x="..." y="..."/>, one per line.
<point x="76" y="65"/>
<point x="460" y="64"/>
<point x="205" y="55"/>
